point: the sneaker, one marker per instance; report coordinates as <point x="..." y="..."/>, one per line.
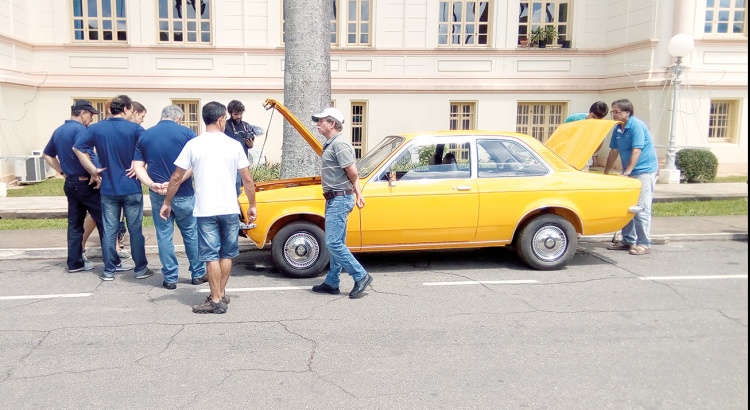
<point x="224" y="299"/>
<point x="86" y="266"/>
<point x="148" y="272"/>
<point x="122" y="267"/>
<point x="123" y="254"/>
<point x="169" y="285"/>
<point x="210" y="307"/>
<point x="201" y="280"/>
<point x="106" y="276"/>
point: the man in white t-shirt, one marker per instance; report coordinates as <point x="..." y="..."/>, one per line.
<point x="214" y="160"/>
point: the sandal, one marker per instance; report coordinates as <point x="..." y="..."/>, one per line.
<point x="640" y="250"/>
<point x="620" y="246"/>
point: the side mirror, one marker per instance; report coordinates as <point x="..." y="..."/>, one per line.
<point x="392" y="179"/>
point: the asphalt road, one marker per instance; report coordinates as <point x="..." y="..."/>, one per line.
<point x="452" y="330"/>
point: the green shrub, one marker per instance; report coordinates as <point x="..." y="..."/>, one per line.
<point x="697" y="165"/>
<point x="268" y="172"/>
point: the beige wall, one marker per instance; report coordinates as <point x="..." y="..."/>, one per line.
<point x="406" y="78"/>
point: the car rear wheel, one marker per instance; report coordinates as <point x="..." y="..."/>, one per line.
<point x="299" y="250"/>
<point x="547" y="242"/>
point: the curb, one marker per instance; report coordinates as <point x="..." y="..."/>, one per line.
<point x="62" y="253"/>
<point x="677" y="237"/>
<point x="697" y="197"/>
<point x="96" y="253"/>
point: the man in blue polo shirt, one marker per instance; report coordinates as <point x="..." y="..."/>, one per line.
<point x="155" y="154"/>
<point x="114" y="140"/>
<point x="82" y="197"/>
<point x="632" y="141"/>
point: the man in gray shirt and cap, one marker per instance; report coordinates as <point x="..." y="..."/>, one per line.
<point x="341" y="190"/>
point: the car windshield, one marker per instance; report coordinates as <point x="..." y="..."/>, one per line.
<point x="375" y="157"/>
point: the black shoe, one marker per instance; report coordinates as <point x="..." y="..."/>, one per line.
<point x="170" y="286"/>
<point x="359" y="287"/>
<point x="325" y="288"/>
<point x="201" y="280"/>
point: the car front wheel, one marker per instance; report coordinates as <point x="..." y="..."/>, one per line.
<point x="299" y="250"/>
<point x="547" y="242"/>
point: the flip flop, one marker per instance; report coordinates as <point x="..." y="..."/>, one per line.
<point x="640" y="250"/>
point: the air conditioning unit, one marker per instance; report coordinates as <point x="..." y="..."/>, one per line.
<point x="30" y="169"/>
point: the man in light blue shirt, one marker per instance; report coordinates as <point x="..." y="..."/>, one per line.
<point x="632" y="141"/>
<point x="597" y="111"/>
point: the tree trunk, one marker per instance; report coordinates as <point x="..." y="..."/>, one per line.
<point x="307" y="79"/>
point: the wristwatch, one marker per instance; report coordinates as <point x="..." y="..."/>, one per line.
<point x="627" y="174"/>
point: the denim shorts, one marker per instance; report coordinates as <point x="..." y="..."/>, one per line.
<point x="218" y="237"/>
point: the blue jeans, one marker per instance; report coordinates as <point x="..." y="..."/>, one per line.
<point x="218" y="237"/>
<point x="638" y="229"/>
<point x="132" y="206"/>
<point x="182" y="214"/>
<point x="337" y="213"/>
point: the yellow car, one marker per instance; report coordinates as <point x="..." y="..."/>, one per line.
<point x="453" y="189"/>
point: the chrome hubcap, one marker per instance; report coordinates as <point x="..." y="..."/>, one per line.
<point x="549" y="243"/>
<point x="301" y="250"/>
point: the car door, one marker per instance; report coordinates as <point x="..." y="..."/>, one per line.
<point x="510" y="177"/>
<point x="427" y="202"/>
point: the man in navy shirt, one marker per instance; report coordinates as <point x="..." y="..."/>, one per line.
<point x="155" y="154"/>
<point x="114" y="140"/>
<point x="82" y="197"/>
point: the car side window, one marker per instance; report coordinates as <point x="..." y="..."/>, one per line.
<point x="432" y="161"/>
<point x="505" y="158"/>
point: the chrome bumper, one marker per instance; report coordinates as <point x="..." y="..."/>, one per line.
<point x="635" y="209"/>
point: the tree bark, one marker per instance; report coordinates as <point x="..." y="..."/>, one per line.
<point x="307" y="79"/>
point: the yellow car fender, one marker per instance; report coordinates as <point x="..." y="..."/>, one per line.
<point x="563" y="207"/>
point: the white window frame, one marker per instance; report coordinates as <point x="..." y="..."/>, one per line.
<point x="543" y="18"/>
<point x="171" y="25"/>
<point x="731" y="15"/>
<point x="470" y="33"/>
<point x="116" y="22"/>
<point x="356" y="24"/>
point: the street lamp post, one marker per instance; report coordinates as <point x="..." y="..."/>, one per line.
<point x="679" y="46"/>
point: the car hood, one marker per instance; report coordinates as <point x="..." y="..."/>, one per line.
<point x="576" y="142"/>
<point x="296" y="123"/>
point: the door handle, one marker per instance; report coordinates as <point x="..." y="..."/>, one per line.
<point x="462" y="188"/>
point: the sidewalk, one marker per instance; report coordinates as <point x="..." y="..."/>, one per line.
<point x="53" y="243"/>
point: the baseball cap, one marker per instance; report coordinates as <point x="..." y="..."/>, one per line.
<point x="329" y="112"/>
<point x="84" y="105"/>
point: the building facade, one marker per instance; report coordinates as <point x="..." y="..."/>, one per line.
<point x="397" y="66"/>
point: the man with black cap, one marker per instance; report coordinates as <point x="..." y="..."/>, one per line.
<point x="82" y="196"/>
<point x="341" y="189"/>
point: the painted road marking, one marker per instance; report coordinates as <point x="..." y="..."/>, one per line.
<point x="65" y="295"/>
<point x="271" y="288"/>
<point x="481" y="282"/>
<point x="698" y="277"/>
